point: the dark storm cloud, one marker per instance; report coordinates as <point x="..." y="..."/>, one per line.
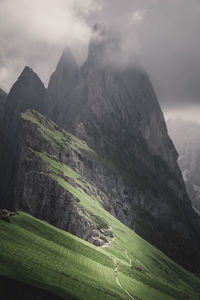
<point x="163" y="35"/>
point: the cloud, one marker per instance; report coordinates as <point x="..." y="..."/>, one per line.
<point x="165" y="37"/>
<point x="186" y="113"/>
<point x="34" y="33"/>
<point x="138" y="15"/>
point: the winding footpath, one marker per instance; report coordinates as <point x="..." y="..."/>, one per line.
<point x="130" y="262"/>
<point x="116" y="268"/>
<point x="117" y="281"/>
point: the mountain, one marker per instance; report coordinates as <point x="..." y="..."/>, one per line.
<point x="114" y="109"/>
<point x="56" y="182"/>
<point x="27" y="92"/>
<point x="111" y="171"/>
<point x="186" y="137"/>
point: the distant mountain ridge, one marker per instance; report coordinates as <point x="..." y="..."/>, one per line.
<point x="186" y="137"/>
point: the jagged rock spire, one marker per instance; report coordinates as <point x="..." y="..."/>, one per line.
<point x="61" y="82"/>
<point x="27" y="92"/>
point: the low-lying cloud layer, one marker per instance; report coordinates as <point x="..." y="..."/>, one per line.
<point x="162" y="35"/>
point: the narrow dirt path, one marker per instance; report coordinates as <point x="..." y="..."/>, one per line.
<point x="130" y="262"/>
<point x="117" y="281"/>
<point x="116" y="267"/>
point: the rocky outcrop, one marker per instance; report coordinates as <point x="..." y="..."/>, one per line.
<point x="27" y="92"/>
<point x="186" y="137"/>
<point x="6" y="215"/>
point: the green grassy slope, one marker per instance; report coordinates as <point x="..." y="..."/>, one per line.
<point x="41" y="255"/>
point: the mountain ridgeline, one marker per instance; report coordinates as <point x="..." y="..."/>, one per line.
<point x="186" y="137"/>
<point x="116" y="141"/>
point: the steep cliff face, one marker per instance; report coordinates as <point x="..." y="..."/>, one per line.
<point x="51" y="177"/>
<point x="59" y="177"/>
<point x="186" y="137"/>
<point x="27" y="92"/>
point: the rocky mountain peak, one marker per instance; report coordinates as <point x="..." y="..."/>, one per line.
<point x="118" y="102"/>
<point x="65" y="74"/>
<point x="104" y="44"/>
<point x="107" y="100"/>
<point x="64" y="78"/>
<point x="27" y="70"/>
<point x="67" y="59"/>
<point x="28" y="76"/>
<point x="27" y="92"/>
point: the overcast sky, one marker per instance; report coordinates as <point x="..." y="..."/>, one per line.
<point x="163" y="34"/>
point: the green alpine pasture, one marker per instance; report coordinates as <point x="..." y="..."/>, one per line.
<point x="39" y="254"/>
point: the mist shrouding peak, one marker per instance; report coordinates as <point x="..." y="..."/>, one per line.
<point x="97" y="27"/>
<point x="108" y="47"/>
